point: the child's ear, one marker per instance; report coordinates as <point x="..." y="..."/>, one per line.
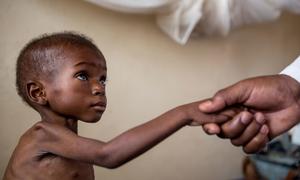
<point x="36" y="92"/>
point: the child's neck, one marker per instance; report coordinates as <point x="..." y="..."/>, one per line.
<point x="52" y="117"/>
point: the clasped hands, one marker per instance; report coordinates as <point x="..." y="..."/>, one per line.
<point x="259" y="109"/>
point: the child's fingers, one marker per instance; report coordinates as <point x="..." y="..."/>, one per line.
<point x="231" y="112"/>
<point x="236" y="126"/>
<point x="217" y="118"/>
<point x="210" y="118"/>
<point x="258" y="142"/>
<point x="250" y="132"/>
<point x="211" y="128"/>
<point x="226" y="115"/>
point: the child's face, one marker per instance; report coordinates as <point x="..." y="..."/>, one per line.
<point x="78" y="89"/>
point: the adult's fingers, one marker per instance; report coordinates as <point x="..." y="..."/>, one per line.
<point x="214" y="128"/>
<point x="211" y="128"/>
<point x="235" y="127"/>
<point x="258" y="142"/>
<point x="250" y="131"/>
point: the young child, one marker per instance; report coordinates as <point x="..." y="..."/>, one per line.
<point x="62" y="76"/>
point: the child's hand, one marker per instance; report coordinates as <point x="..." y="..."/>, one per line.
<point x="197" y="118"/>
<point x="245" y="129"/>
<point x="240" y="126"/>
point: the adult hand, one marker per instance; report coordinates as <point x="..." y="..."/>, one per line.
<point x="276" y="96"/>
<point x="246" y="129"/>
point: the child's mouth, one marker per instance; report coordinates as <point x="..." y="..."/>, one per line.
<point x="100" y="106"/>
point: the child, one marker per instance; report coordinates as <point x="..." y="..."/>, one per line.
<point x="62" y="76"/>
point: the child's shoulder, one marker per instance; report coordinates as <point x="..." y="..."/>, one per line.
<point x="31" y="143"/>
<point x="32" y="138"/>
<point x="27" y="147"/>
<point x="38" y="130"/>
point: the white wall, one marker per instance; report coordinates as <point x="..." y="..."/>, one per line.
<point x="148" y="74"/>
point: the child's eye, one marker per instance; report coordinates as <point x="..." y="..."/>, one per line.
<point x="103" y="81"/>
<point x="82" y="77"/>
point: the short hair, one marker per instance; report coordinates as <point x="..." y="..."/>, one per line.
<point x="40" y="57"/>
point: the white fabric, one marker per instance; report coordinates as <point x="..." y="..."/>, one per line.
<point x="295" y="133"/>
<point x="221" y="16"/>
<point x="133" y="6"/>
<point x="179" y="18"/>
<point x="215" y="16"/>
<point x="293" y="70"/>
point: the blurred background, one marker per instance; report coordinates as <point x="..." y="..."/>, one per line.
<point x="148" y="73"/>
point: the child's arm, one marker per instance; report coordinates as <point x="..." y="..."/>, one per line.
<point x="63" y="142"/>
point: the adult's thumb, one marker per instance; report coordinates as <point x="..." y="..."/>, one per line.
<point x="212" y="105"/>
<point x="235" y="94"/>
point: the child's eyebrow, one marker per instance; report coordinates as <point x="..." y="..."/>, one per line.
<point x="84" y="63"/>
<point x="89" y="64"/>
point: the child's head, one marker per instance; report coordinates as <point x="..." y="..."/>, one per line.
<point x="64" y="72"/>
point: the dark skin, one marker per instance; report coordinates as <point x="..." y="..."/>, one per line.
<point x="52" y="149"/>
<point x="276" y="97"/>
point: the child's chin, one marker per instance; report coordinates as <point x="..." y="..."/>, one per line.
<point x="92" y="120"/>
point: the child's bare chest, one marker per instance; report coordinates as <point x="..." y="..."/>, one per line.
<point x="29" y="161"/>
<point x="50" y="167"/>
<point x="56" y="167"/>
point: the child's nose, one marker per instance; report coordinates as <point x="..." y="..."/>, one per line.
<point x="98" y="89"/>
